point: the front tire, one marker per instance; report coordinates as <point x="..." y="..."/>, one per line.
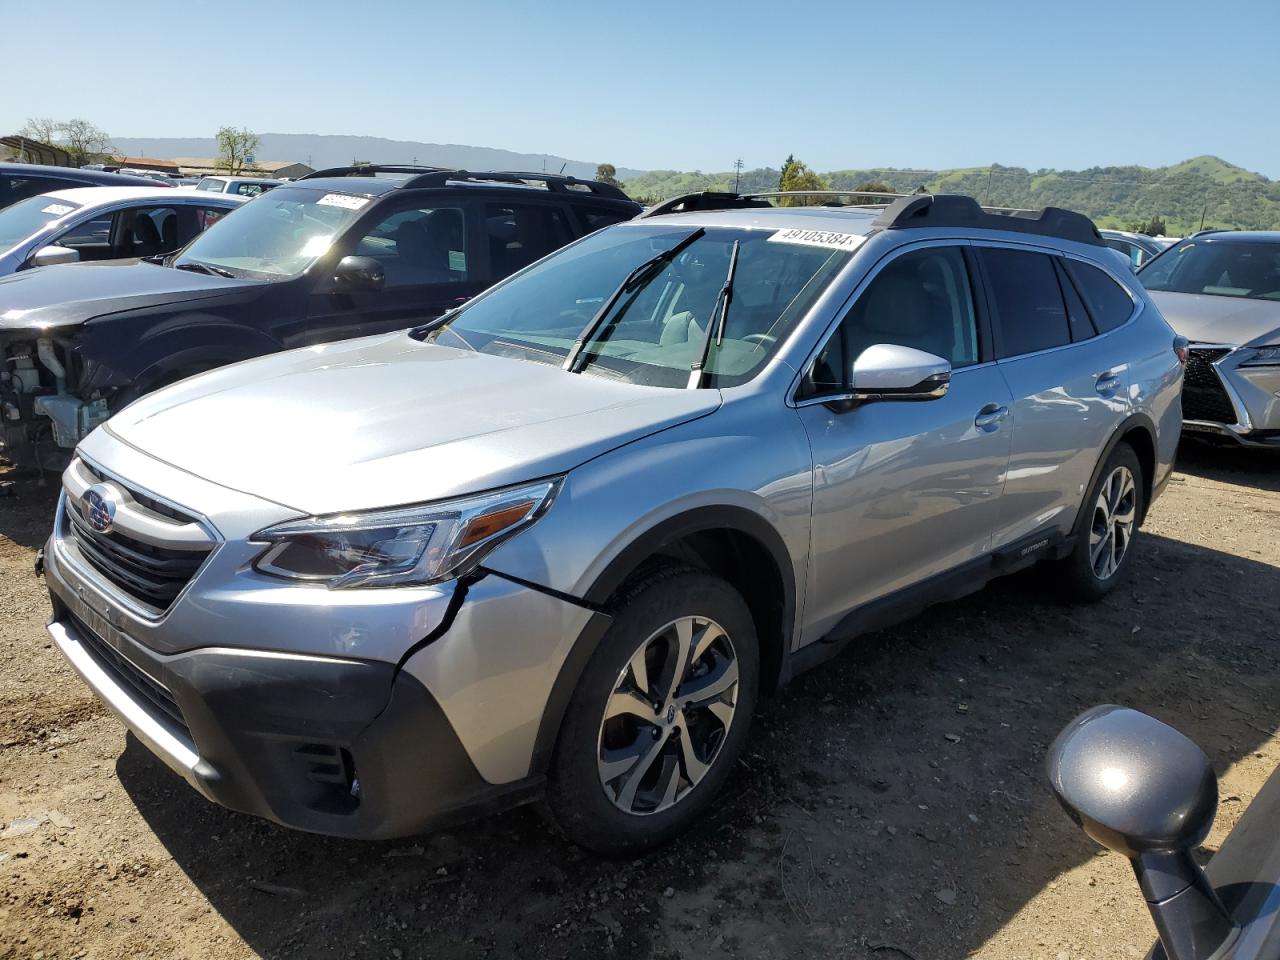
<point x="1104" y="541"/>
<point x="660" y="715"/>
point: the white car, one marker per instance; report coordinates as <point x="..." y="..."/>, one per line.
<point x="105" y="223"/>
<point x="240" y="186"/>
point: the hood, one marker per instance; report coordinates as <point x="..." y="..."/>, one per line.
<point x="1209" y="319"/>
<point x="386" y="421"/>
<point x="73" y="293"/>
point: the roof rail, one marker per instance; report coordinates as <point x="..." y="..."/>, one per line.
<point x="420" y="177"/>
<point x="728" y="200"/>
<point x="369" y="170"/>
<point x="955" y="210"/>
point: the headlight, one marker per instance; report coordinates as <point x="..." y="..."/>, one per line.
<point x="424" y="544"/>
<point x="1264" y="357"/>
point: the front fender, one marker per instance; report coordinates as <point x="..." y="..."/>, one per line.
<point x="117" y="354"/>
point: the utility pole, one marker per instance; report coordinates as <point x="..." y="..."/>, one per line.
<point x="737" y="174"/>
<point x="990" y="173"/>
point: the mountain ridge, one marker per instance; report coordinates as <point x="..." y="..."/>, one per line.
<point x="325" y="150"/>
<point x="1183" y="194"/>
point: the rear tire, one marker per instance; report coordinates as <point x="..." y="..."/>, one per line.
<point x="1104" y="541"/>
<point x="660" y="715"/>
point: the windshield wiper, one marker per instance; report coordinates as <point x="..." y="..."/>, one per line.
<point x="636" y="280"/>
<point x="195" y="266"/>
<point x="698" y="369"/>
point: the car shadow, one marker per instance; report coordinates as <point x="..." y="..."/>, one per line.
<point x="1228" y="463"/>
<point x="896" y="795"/>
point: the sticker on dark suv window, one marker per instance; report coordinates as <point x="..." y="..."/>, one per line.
<point x="819" y="238"/>
<point x="346" y="201"/>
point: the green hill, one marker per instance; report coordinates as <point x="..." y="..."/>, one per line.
<point x="1224" y="194"/>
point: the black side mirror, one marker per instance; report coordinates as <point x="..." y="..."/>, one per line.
<point x="359" y="273"/>
<point x="1139" y="787"/>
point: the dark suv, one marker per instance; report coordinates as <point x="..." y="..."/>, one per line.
<point x="18" y="181"/>
<point x="341" y="253"/>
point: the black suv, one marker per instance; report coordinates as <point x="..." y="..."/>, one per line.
<point x="21" y="180"/>
<point x="340" y="253"/>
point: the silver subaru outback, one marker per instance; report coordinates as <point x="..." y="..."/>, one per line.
<point x="560" y="541"/>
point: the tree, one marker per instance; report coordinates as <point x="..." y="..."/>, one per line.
<point x="1154" y="227"/>
<point x="873" y="186"/>
<point x="85" y="142"/>
<point x="607" y="173"/>
<point x="234" y="149"/>
<point x="786" y="167"/>
<point x="42" y="129"/>
<point x="796" y="176"/>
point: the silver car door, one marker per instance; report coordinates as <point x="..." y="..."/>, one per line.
<point x="903" y="491"/>
<point x="1069" y="386"/>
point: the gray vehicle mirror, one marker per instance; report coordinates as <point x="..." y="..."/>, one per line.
<point x="1139" y="787"/>
<point x="360" y="273"/>
<point x="54" y="254"/>
<point x="888" y="371"/>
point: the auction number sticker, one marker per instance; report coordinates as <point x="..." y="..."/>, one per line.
<point x="819" y="238"/>
<point x="344" y="200"/>
<point x="57" y="209"/>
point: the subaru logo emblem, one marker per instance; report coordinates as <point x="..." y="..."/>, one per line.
<point x="100" y="507"/>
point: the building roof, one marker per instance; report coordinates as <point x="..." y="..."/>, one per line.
<point x="209" y="165"/>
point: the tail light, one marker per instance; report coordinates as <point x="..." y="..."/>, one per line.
<point x="1182" y="349"/>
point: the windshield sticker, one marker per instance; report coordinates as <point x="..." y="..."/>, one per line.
<point x="57" y="209"/>
<point x="344" y="200"/>
<point x="819" y="238"/>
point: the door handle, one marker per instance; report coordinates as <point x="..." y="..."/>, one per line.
<point x="990" y="416"/>
<point x="1108" y="383"/>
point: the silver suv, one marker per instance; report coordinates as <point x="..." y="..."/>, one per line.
<point x="559" y="541"/>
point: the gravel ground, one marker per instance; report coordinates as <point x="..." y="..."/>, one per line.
<point x="891" y="805"/>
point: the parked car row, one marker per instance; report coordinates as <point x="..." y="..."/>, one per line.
<point x="595" y="483"/>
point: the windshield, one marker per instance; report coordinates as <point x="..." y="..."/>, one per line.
<point x="22" y="219"/>
<point x="1232" y="268"/>
<point x="276" y="236"/>
<point x="654" y="333"/>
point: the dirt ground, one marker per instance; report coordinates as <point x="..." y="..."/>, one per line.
<point x="892" y="805"/>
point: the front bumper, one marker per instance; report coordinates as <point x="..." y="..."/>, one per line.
<point x="360" y="713"/>
<point x="344" y="747"/>
<point x="1243" y="402"/>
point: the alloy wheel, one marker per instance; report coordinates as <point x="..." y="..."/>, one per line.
<point x="667" y="718"/>
<point x="1114" y="516"/>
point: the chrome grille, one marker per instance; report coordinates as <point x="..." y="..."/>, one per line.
<point x="1203" y="395"/>
<point x="151" y="550"/>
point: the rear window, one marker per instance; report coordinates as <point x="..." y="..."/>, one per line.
<point x="593" y="218"/>
<point x="1027" y="300"/>
<point x="1108" y="303"/>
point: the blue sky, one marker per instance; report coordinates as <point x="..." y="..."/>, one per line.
<point x="678" y="85"/>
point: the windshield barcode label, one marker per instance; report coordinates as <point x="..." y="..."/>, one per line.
<point x="343" y="200"/>
<point x="819" y="238"/>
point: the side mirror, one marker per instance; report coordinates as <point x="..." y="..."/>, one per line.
<point x="1139" y="787"/>
<point x="360" y="273"/>
<point x="887" y="371"/>
<point x="53" y="254"/>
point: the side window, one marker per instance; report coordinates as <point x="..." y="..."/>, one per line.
<point x="1135" y="253"/>
<point x="419" y="246"/>
<point x="593" y="218"/>
<point x="1082" y="327"/>
<point x="206" y="217"/>
<point x="91" y="233"/>
<point x="1108" y="303"/>
<point x="250" y="189"/>
<point x="922" y="299"/>
<point x="521" y="233"/>
<point x="149" y="231"/>
<point x="1029" y="312"/>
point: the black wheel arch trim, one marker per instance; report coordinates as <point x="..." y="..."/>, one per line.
<point x="646" y="545"/>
